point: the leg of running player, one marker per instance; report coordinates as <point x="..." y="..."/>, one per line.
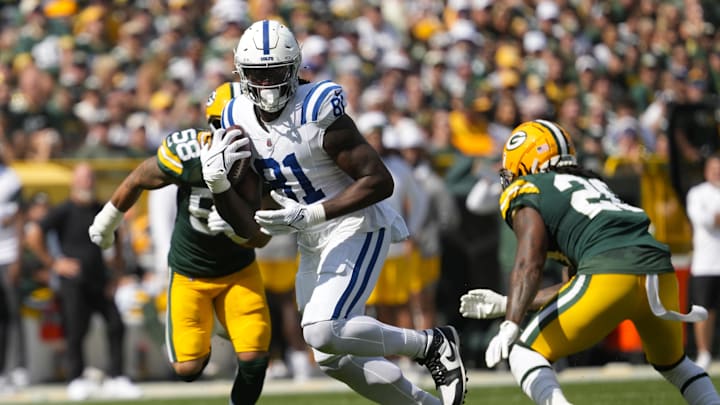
<point x="663" y="346"/>
<point x="585" y="309"/>
<point x="350" y="346"/>
<point x="242" y="309"/>
<point x="189" y="309"/>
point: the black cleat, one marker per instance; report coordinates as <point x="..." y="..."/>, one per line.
<point x="443" y="360"/>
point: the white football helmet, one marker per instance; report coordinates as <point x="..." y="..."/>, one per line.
<point x="267" y="59"/>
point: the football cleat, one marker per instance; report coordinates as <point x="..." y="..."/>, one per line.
<point x="442" y="359"/>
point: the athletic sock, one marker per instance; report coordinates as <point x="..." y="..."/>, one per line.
<point x="692" y="381"/>
<point x="249" y="380"/>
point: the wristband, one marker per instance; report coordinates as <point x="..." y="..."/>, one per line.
<point x="110" y="215"/>
<point x="315" y="213"/>
<point x="220" y="186"/>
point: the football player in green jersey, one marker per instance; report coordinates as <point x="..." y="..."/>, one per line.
<point x="619" y="271"/>
<point x="212" y="266"/>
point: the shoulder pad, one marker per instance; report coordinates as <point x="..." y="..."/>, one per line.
<point x="179" y="147"/>
<point x="323" y="104"/>
<point x="227" y="116"/>
<point x="516" y="188"/>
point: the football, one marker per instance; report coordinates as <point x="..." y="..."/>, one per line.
<point x="239" y="168"/>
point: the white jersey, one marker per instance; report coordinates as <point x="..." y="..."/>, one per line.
<point x="289" y="155"/>
<point x="703" y="203"/>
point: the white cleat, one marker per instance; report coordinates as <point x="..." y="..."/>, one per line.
<point x="443" y="360"/>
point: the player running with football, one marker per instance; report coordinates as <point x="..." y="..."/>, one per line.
<point x="212" y="267"/>
<point x="559" y="209"/>
<point x="329" y="184"/>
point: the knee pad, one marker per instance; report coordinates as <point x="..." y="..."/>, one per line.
<point x="321" y="335"/>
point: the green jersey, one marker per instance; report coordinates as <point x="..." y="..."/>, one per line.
<point x="588" y="226"/>
<point x="194" y="250"/>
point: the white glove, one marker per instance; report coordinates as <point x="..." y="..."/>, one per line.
<point x="499" y="347"/>
<point x="482" y="304"/>
<point x="102" y="230"/>
<point x="219" y="155"/>
<point x="217" y="225"/>
<point x="291" y="218"/>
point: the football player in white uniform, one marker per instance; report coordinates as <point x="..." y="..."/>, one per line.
<point x="329" y="184"/>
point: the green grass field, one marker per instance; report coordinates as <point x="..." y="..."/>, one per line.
<point x="638" y="392"/>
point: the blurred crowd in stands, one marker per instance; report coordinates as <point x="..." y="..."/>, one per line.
<point x="102" y="79"/>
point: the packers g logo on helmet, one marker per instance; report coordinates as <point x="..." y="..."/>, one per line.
<point x="533" y="147"/>
<point x="217" y="100"/>
<point x="515" y="140"/>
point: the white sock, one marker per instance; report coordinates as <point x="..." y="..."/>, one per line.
<point x="535" y="376"/>
<point x="366" y="337"/>
<point x="692" y="381"/>
<point x="375" y="378"/>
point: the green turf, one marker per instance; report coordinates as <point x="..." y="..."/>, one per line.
<point x="654" y="392"/>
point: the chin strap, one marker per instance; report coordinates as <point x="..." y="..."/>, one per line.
<point x="697" y="313"/>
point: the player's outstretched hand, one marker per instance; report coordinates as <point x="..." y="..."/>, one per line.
<point x="482" y="303"/>
<point x="219" y="155"/>
<point x="499" y="347"/>
<point x="292" y="217"/>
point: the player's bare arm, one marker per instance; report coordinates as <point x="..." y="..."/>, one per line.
<point x="529" y="262"/>
<point x="548" y="293"/>
<point x="238" y="205"/>
<point x="147" y="176"/>
<point x="373" y="182"/>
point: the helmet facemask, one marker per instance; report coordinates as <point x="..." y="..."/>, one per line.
<point x="269" y="87"/>
<point x="506" y="178"/>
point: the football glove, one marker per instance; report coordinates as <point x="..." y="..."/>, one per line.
<point x="102" y="230"/>
<point x="482" y="304"/>
<point x="499" y="347"/>
<point x="219" y="155"/>
<point x="218" y="225"/>
<point x="292" y="217"/>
